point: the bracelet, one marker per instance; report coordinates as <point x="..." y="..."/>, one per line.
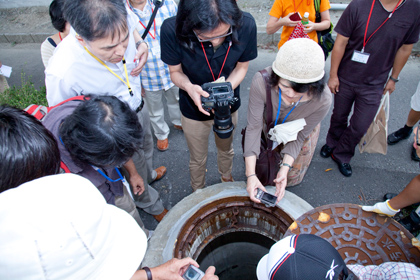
<point x="393" y="79"/>
<point x="286" y="164"/>
<point x="148" y="273"/>
<point x="251" y="175"/>
<point x="141" y="41"/>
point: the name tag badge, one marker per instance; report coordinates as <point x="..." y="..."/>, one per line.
<point x="361" y="57"/>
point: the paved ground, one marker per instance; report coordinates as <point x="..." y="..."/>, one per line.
<point x="373" y="174"/>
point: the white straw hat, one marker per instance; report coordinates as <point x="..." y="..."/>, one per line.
<point x="60" y="227"/>
<point x="300" y="60"/>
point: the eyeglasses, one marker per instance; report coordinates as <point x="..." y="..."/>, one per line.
<point x="229" y="32"/>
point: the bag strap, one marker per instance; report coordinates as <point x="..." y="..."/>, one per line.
<point x="158" y="4"/>
<point x="269" y="106"/>
<point x="317" y="3"/>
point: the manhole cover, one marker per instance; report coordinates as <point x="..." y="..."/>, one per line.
<point x="360" y="237"/>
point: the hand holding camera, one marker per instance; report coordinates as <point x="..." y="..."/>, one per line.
<point x="221" y="97"/>
<point x="266" y="198"/>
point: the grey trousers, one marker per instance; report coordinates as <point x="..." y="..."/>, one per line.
<point x="149" y="200"/>
<point x="126" y="203"/>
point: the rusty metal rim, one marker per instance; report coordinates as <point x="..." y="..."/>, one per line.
<point x="198" y="225"/>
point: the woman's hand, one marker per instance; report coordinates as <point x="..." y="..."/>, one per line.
<point x="286" y="21"/>
<point x="281" y="182"/>
<point x="308" y="28"/>
<point x="252" y="185"/>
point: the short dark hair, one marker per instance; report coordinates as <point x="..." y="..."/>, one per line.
<point x="102" y="131"/>
<point x="28" y="150"/>
<point x="56" y="14"/>
<point x="205" y="16"/>
<point x="314" y="89"/>
<point x="96" y="19"/>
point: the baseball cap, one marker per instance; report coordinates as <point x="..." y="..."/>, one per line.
<point x="60" y="227"/>
<point x="302" y="257"/>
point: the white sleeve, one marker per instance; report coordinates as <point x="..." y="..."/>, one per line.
<point x="57" y="89"/>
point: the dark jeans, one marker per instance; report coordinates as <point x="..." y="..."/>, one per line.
<point x="342" y="135"/>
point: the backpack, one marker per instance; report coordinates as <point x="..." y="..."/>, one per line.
<point x="40" y="111"/>
<point x="325" y="39"/>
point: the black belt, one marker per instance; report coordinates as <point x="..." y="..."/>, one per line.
<point x="141" y="106"/>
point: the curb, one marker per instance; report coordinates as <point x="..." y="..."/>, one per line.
<point x="262" y="39"/>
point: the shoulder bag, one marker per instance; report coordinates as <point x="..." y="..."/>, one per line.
<point x="268" y="161"/>
<point x="325" y="39"/>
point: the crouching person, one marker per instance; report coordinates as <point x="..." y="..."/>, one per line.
<point x="96" y="137"/>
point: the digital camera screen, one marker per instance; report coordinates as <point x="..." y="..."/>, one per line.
<point x="269" y="197"/>
<point x="220" y="89"/>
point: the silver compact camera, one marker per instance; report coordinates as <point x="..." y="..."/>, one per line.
<point x="193" y="273"/>
<point x="267" y="198"/>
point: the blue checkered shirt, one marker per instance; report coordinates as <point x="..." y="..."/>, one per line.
<point x="155" y="74"/>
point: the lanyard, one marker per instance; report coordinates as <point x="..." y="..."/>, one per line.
<point x="106" y="177"/>
<point x="294" y="5"/>
<point x="109" y="69"/>
<point x="367" y="24"/>
<point x="223" y="65"/>
<point x="154" y="28"/>
<point x="278" y="110"/>
<point x="154" y="21"/>
<point x="59" y="35"/>
<point x="100" y="171"/>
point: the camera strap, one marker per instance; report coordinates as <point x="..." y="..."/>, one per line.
<point x="208" y="63"/>
<point x="152" y="20"/>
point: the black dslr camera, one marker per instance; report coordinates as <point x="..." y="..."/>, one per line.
<point x="220" y="98"/>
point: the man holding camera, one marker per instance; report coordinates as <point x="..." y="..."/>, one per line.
<point x="199" y="52"/>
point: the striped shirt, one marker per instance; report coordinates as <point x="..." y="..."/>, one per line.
<point x="155" y="74"/>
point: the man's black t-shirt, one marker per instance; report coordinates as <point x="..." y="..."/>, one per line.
<point x="194" y="64"/>
<point x="402" y="28"/>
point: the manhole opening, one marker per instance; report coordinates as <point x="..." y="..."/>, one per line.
<point x="235" y="255"/>
<point x="232" y="234"/>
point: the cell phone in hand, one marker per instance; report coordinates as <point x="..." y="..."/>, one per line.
<point x="267" y="198"/>
<point x="193" y="273"/>
<point x="295" y="17"/>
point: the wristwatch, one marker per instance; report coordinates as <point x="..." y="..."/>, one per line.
<point x="393" y="79"/>
<point x="141" y="41"/>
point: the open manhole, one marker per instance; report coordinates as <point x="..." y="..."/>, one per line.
<point x="360" y="237"/>
<point x="231" y="234"/>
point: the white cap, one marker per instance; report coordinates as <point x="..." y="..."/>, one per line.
<point x="300" y="60"/>
<point x="60" y="227"/>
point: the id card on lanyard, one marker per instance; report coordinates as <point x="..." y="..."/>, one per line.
<point x="362" y="56"/>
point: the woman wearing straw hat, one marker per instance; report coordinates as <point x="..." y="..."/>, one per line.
<point x="296" y="82"/>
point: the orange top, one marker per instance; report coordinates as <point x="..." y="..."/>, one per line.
<point x="281" y="8"/>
